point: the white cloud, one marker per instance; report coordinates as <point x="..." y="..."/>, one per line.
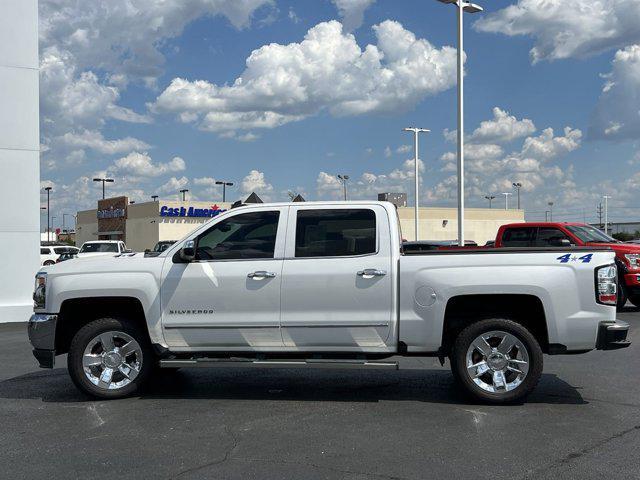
<point x="352" y="12"/>
<point x="255" y="182"/>
<point x="174" y="185"/>
<point x="142" y="165"/>
<point x="124" y="36"/>
<point x="326" y="71"/>
<point x="70" y="98"/>
<point x="489" y="170"/>
<point x="94" y="140"/>
<point x="617" y="115"/>
<point x="387" y="152"/>
<point x="568" y="28"/>
<point x="502" y="128"/>
<point x="404" y="149"/>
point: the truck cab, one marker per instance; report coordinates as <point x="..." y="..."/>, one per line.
<point x="556" y="234"/>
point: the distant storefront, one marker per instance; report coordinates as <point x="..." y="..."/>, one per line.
<point x="142" y="225"/>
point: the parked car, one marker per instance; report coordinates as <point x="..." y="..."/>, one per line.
<point x="550" y="234"/>
<point x="49" y="254"/>
<point x="97" y="248"/>
<point x="67" y="256"/>
<point x="635" y="242"/>
<point x="323" y="285"/>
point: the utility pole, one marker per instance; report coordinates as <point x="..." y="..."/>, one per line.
<point x="606" y="214"/>
<point x="343" y="179"/>
<point x="416" y="160"/>
<point x="550" y="211"/>
<point x="599" y="210"/>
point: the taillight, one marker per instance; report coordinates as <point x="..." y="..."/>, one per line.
<point x="607" y="285"/>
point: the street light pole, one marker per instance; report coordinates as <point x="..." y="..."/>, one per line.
<point x="224" y="184"/>
<point x="462" y="7"/>
<point x="416" y="158"/>
<point x="506" y="199"/>
<point x="343" y="179"/>
<point x="606" y="213"/>
<point x="550" y="211"/>
<point x="103" y="180"/>
<point x="154" y="198"/>
<point x="518" y="186"/>
<point x="184" y="193"/>
<point x="490" y="198"/>
<point x="48" y="190"/>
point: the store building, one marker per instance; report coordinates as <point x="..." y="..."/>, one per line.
<point x="142" y="225"/>
<point x="19" y="158"/>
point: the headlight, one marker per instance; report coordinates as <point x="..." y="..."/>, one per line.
<point x="633" y="259"/>
<point x="40" y="291"/>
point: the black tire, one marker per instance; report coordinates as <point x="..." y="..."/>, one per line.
<point x="459" y="361"/>
<point x="622" y="295"/>
<point x="48" y="263"/>
<point x="87" y="334"/>
<point x="635" y="300"/>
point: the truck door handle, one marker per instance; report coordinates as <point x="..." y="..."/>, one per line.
<point x="260" y="274"/>
<point x="371" y="272"/>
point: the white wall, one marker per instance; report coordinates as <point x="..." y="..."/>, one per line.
<point x="19" y="157"/>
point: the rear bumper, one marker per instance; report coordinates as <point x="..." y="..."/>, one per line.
<point x="612" y="335"/>
<point x="42" y="335"/>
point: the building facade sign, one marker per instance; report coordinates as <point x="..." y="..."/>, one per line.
<point x="166" y="211"/>
<point x="112" y="218"/>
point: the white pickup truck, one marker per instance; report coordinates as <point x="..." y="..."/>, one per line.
<point x="323" y="285"/>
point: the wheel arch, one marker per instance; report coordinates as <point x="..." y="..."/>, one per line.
<point x="524" y="309"/>
<point x="77" y="312"/>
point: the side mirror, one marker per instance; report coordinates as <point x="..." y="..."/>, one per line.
<point x="188" y="251"/>
<point x="560" y="242"/>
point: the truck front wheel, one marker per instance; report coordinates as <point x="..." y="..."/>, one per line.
<point x="110" y="358"/>
<point x="635" y="299"/>
<point x="497" y="361"/>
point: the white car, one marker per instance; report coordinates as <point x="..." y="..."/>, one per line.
<point x="98" y="248"/>
<point x="324" y="284"/>
<point x="49" y="254"/>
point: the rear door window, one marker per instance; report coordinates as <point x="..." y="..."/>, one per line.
<point x="518" y="237"/>
<point x="335" y="233"/>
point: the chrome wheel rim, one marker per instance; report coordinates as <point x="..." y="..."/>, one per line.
<point x="112" y="360"/>
<point x="497" y="362"/>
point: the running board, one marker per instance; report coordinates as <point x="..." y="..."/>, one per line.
<point x="256" y="363"/>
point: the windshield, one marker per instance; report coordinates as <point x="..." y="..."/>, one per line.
<point x="587" y="233"/>
<point x="99" y="247"/>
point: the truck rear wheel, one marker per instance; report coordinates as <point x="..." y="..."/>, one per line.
<point x="497" y="361"/>
<point x="110" y="358"/>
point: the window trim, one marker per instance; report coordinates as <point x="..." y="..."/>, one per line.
<point x="294" y="223"/>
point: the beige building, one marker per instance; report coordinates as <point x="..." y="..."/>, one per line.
<point x="481" y="224"/>
<point x="142" y="225"/>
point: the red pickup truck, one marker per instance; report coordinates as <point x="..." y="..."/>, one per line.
<point x="550" y="234"/>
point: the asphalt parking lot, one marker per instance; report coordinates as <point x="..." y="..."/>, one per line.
<point x="583" y="421"/>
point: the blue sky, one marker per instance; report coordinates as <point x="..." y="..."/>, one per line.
<point x="281" y="96"/>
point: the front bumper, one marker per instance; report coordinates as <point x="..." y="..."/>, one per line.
<point x="42" y="335"/>
<point x="612" y="335"/>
